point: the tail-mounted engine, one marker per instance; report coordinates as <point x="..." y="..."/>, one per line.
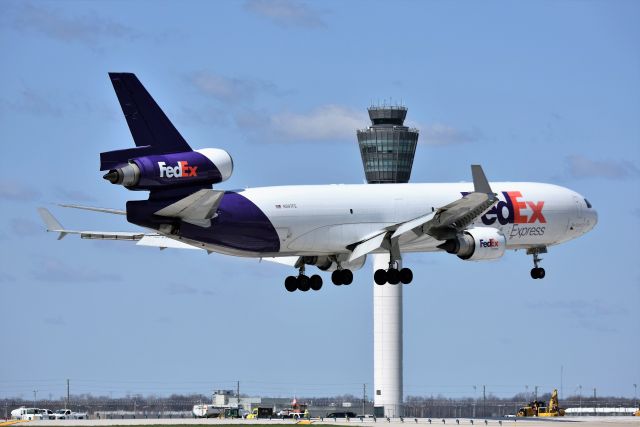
<point x="163" y="171"/>
<point x="477" y="244"/>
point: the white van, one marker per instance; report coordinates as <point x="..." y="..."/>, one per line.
<point x="28" y="414"/>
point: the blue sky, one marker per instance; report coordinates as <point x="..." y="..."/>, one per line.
<point x="534" y="91"/>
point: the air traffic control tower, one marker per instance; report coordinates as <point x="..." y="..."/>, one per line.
<point x="387" y="148"/>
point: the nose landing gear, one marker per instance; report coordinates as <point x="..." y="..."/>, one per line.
<point x="537" y="272"/>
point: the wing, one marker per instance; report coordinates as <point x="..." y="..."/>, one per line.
<point x="142" y="239"/>
<point x="443" y="224"/>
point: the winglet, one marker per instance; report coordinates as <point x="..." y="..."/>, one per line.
<point x="52" y="223"/>
<point x="480" y="183"/>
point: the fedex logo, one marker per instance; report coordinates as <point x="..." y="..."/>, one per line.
<point x="513" y="210"/>
<point x="181" y="171"/>
<point x="491" y="243"/>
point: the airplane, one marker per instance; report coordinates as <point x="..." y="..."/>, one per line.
<point x="331" y="227"/>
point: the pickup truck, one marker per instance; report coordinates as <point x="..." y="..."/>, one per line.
<point x="68" y="414"/>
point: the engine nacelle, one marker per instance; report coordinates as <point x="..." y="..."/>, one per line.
<point x="206" y="166"/>
<point x="325" y="263"/>
<point x="477" y="244"/>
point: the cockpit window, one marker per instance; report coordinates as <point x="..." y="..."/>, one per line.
<point x="588" y="204"/>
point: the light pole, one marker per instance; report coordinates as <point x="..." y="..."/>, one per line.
<point x="635" y="395"/>
<point x="35" y="393"/>
<point x="580" y="397"/>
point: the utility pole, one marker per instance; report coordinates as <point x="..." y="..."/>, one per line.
<point x="475" y="400"/>
<point x="536" y="393"/>
<point x="635" y="395"/>
<point x="484" y="401"/>
<point x="35" y="393"/>
<point x="66" y="405"/>
<point x="364" y="397"/>
<point x="595" y="401"/>
<point x="238" y="394"/>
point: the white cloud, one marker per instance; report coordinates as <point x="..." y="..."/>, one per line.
<point x="50" y="269"/>
<point x="89" y="30"/>
<point x="582" y="167"/>
<point x="13" y="190"/>
<point x="286" y="13"/>
<point x="230" y="89"/>
<point x="440" y="134"/>
<point x="328" y="122"/>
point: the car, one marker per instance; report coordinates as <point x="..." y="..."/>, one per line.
<point x="346" y="414"/>
<point x="47" y="414"/>
<point x="67" y="414"/>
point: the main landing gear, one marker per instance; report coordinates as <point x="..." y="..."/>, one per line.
<point x="537" y="272"/>
<point x="393" y="276"/>
<point x="303" y="282"/>
<point x="342" y="277"/>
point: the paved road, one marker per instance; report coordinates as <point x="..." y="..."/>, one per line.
<point x="423" y="422"/>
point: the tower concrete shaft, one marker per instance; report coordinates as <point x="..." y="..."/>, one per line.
<point x="387" y="148"/>
<point x="387" y="344"/>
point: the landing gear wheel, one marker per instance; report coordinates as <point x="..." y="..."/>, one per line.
<point x="537" y="273"/>
<point x="380" y="277"/>
<point x="290" y="283"/>
<point x="347" y="277"/>
<point x="315" y="282"/>
<point x="393" y="276"/>
<point x="406" y="276"/>
<point x="336" y="277"/>
<point x="303" y="283"/>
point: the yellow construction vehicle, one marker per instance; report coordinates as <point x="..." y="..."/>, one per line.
<point x="538" y="409"/>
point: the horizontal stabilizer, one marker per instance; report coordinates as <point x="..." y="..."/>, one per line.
<point x="197" y="208"/>
<point x="91" y="208"/>
<point x="54" y="225"/>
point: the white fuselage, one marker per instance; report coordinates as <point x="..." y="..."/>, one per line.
<point x="326" y="219"/>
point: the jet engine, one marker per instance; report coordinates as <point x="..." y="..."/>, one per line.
<point x="200" y="167"/>
<point x="477" y="244"/>
<point x="326" y="263"/>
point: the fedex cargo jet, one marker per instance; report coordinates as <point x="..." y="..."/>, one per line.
<point x="331" y="227"/>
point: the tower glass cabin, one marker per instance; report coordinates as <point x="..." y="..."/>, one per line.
<point x="387" y="146"/>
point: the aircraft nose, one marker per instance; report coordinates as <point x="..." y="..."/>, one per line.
<point x="594" y="217"/>
<point x="591" y="214"/>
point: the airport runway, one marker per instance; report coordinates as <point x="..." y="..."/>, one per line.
<point x="528" y="422"/>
